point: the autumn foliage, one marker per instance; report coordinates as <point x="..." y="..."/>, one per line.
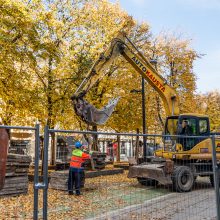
<point x="47" y="47"/>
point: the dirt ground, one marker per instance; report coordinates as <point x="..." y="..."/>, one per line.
<point x="116" y="197"/>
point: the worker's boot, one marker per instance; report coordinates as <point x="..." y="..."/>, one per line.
<point x="78" y="192"/>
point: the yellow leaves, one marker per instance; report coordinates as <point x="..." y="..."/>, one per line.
<point x="102" y="16"/>
<point x="209" y="104"/>
<point x="176" y="58"/>
<point x="58" y="44"/>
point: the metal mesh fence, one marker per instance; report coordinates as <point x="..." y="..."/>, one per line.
<point x="17" y="154"/>
<point x="107" y="192"/>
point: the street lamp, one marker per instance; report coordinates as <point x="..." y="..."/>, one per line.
<point x="142" y="90"/>
<point x="144" y="118"/>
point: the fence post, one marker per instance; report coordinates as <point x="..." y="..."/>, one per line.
<point x="216" y="176"/>
<point x="36" y="170"/>
<point x="45" y="171"/>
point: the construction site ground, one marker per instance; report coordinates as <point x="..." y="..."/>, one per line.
<point x="117" y="197"/>
<point x="200" y="206"/>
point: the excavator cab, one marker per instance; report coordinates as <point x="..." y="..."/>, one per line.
<point x="186" y="125"/>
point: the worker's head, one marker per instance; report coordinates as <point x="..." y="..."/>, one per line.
<point x="184" y="123"/>
<point x="78" y="144"/>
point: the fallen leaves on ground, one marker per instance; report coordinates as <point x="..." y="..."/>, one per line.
<point x="63" y="206"/>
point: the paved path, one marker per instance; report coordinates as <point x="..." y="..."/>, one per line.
<point x="199" y="204"/>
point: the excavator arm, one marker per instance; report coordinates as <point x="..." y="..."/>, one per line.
<point x="86" y="111"/>
<point x="93" y="116"/>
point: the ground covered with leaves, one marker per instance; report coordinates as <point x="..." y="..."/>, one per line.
<point x="100" y="195"/>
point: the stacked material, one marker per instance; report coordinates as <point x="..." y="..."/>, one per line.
<point x="16" y="178"/>
<point x="97" y="162"/>
<point x="59" y="179"/>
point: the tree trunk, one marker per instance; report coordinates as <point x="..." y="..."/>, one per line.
<point x="50" y="121"/>
<point x="118" y="148"/>
<point x="95" y="139"/>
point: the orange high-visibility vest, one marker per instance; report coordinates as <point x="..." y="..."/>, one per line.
<point x="78" y="158"/>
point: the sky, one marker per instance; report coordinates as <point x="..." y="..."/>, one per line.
<point x="198" y="20"/>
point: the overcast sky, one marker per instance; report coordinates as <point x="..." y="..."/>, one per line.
<point x="196" y="19"/>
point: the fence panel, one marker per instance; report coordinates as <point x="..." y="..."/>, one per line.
<point x="16" y="193"/>
<point x="107" y="192"/>
<point x="108" y="196"/>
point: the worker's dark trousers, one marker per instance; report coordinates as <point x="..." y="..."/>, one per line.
<point x="74" y="179"/>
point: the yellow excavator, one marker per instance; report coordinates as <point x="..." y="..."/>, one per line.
<point x="187" y="150"/>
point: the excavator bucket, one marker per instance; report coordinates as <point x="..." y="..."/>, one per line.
<point x="91" y="115"/>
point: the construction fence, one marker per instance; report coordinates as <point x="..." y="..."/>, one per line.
<point x="107" y="192"/>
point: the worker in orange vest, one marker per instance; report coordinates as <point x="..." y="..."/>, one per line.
<point x="76" y="168"/>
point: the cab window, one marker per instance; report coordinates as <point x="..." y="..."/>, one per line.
<point x="171" y="128"/>
<point x="203" y="126"/>
<point x="190" y="126"/>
